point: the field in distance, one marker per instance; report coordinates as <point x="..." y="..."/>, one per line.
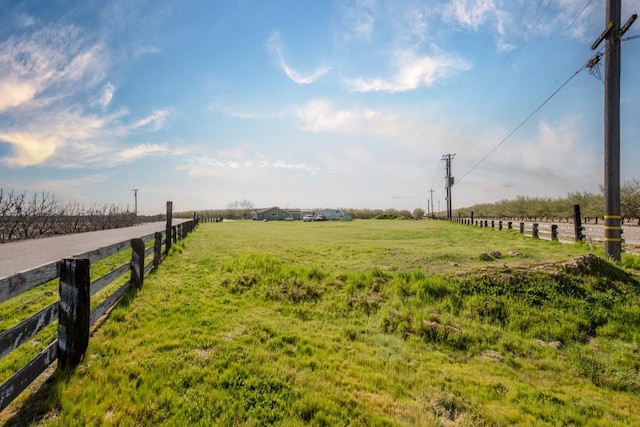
<point x="365" y="323"/>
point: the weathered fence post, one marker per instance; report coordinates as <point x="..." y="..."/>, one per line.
<point x="75" y="311"/>
<point x="137" y="262"/>
<point x="522" y="228"/>
<point x="493" y="225"/>
<point x="499" y="225"/>
<point x="509" y="225"/>
<point x="554" y="232"/>
<point x="534" y="231"/>
<point x="157" y="249"/>
<point x="577" y="223"/>
<point x="169" y="225"/>
<point x="486" y="223"/>
<point x="174" y="234"/>
<point x="471" y="217"/>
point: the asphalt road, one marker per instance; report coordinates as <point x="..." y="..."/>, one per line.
<point x="16" y="257"/>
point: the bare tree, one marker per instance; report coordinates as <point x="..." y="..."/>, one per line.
<point x="24" y="217"/>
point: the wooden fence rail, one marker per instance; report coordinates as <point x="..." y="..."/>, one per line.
<point x="73" y="310"/>
<point x="553" y="232"/>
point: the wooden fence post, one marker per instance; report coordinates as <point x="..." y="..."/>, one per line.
<point x="577" y="223"/>
<point x="75" y="311"/>
<point x="522" y="228"/>
<point x="493" y="224"/>
<point x="554" y="232"/>
<point x="174" y="234"/>
<point x="499" y="225"/>
<point x="486" y="223"/>
<point x="169" y="225"/>
<point x="157" y="249"/>
<point x="137" y="262"/>
<point x="534" y="232"/>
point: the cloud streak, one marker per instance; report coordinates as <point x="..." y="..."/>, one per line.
<point x="412" y="72"/>
<point x="224" y="166"/>
<point x="51" y="79"/>
<point x="274" y="46"/>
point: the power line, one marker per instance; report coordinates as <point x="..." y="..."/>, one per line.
<point x="537" y="15"/>
<point x="572" y="22"/>
<point x="524" y="121"/>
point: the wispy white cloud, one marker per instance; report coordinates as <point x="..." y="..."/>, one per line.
<point x="51" y="58"/>
<point x="50" y="78"/>
<point x="105" y="97"/>
<point x="412" y="72"/>
<point x="532" y="164"/>
<point x="274" y="45"/>
<point x="143" y="150"/>
<point x="72" y="139"/>
<point x="226" y="165"/>
<point x="471" y="13"/>
<point x="358" y="21"/>
<point x="29" y="149"/>
<point x="15" y="92"/>
<point x="321" y="116"/>
<point x="153" y="121"/>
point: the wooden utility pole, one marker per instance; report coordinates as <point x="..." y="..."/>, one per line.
<point x="611" y="35"/>
<point x="612" y="234"/>
<point x="135" y="197"/>
<point x="447" y="158"/>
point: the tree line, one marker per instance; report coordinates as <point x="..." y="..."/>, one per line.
<point x="591" y="206"/>
<point x="28" y="216"/>
<point x="523" y="207"/>
<point x="244" y="209"/>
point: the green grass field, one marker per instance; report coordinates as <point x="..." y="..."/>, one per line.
<point x="364" y="323"/>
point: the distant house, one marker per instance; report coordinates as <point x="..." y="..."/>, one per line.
<point x="295" y="214"/>
<point x="331" y="214"/>
<point x="271" y="214"/>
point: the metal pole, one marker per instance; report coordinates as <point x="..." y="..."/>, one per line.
<point x="431" y="191"/>
<point x="612" y="231"/>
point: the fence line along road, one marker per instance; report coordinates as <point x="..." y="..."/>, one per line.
<point x="16" y="257"/>
<point x="592" y="232"/>
<point x="74" y="311"/>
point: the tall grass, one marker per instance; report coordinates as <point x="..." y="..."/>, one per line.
<point x="364" y="323"/>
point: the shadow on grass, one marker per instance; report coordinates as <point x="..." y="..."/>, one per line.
<point x="42" y="404"/>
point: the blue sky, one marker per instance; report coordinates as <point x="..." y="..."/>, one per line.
<point x="306" y="104"/>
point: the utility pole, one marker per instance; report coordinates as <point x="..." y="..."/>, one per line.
<point x="612" y="35"/>
<point x="135" y="196"/>
<point x="447" y="158"/>
<point x="431" y="191"/>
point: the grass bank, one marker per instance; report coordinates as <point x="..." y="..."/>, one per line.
<point x="364" y="323"/>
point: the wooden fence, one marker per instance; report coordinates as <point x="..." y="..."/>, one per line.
<point x="554" y="232"/>
<point x="73" y="310"/>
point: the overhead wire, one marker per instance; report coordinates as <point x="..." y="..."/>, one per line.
<point x="537" y="15"/>
<point x="522" y="123"/>
<point x="593" y="70"/>
<point x="572" y="23"/>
